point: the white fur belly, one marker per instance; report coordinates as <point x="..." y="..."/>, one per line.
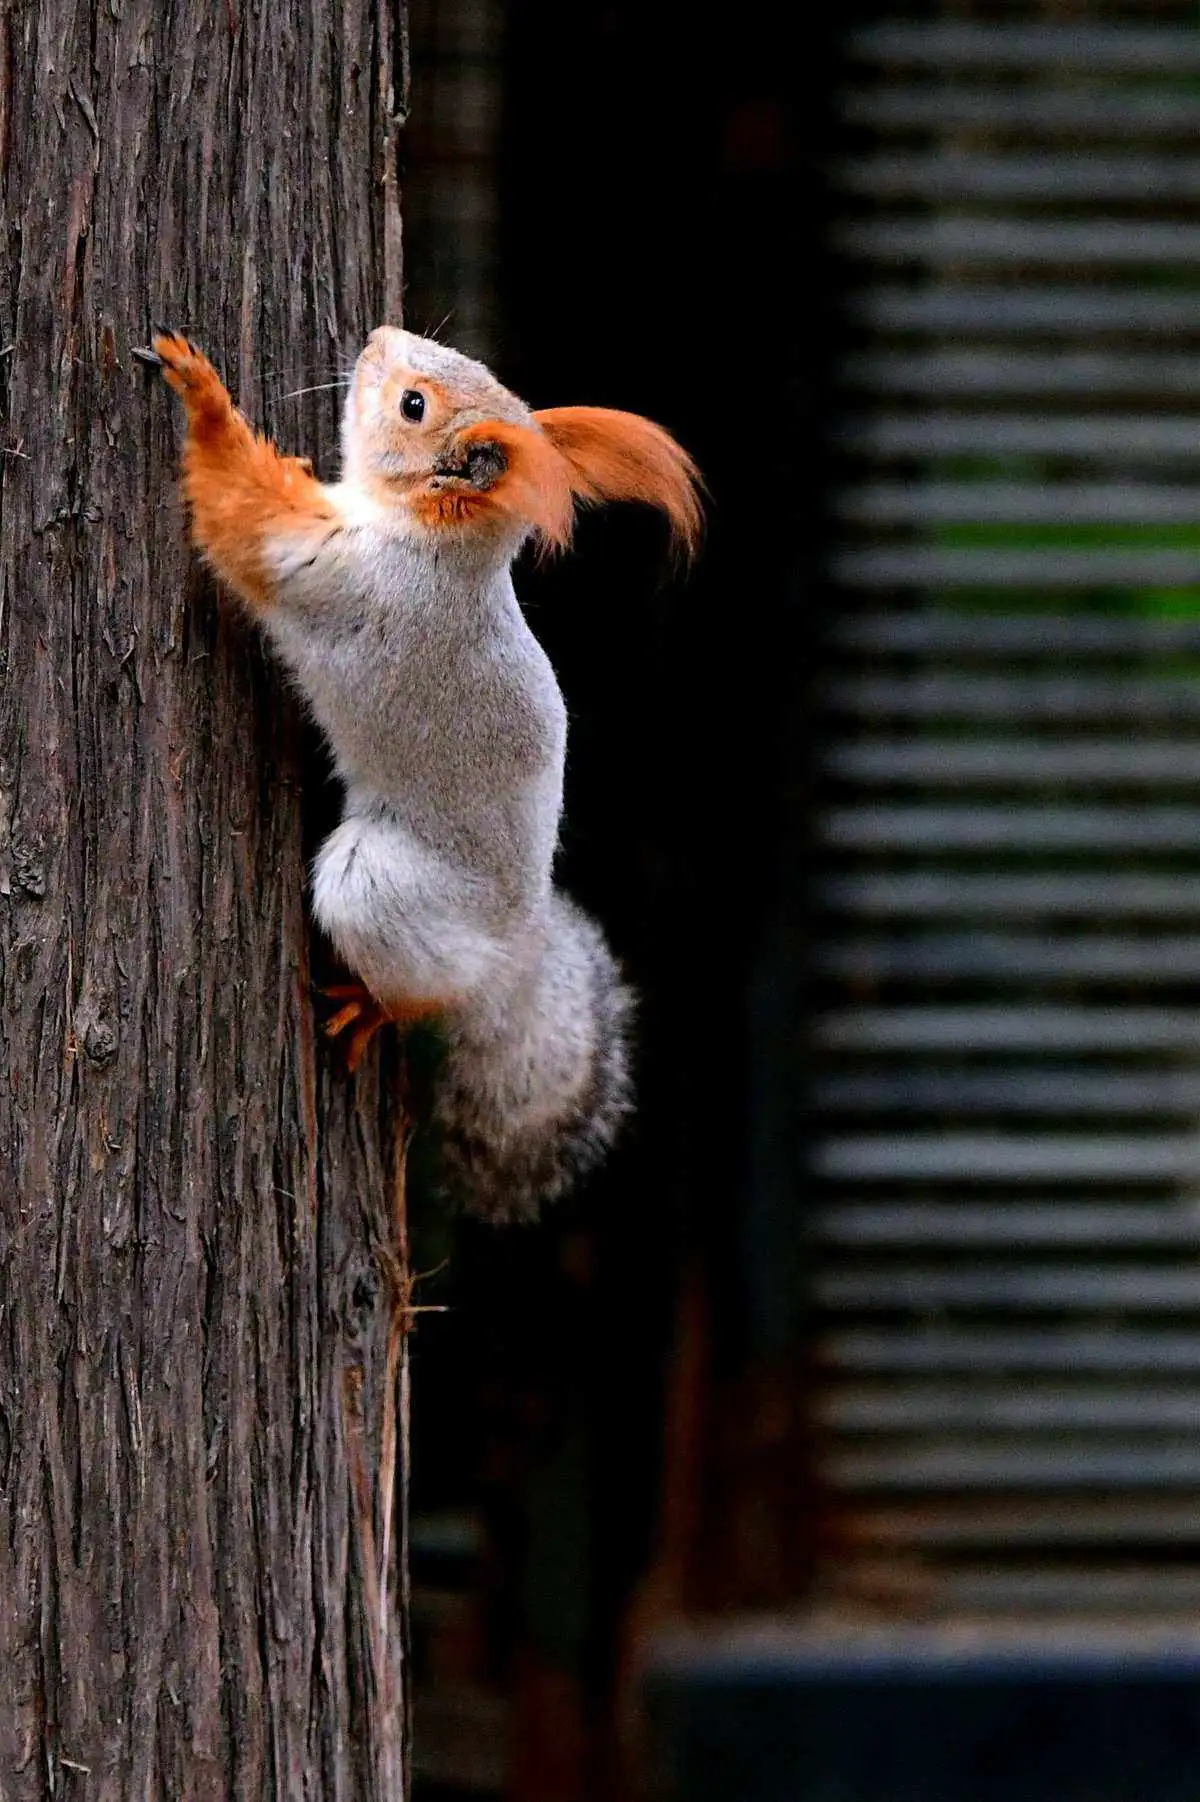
<point x="404" y="921"/>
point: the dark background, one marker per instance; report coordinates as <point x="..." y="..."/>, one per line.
<point x="659" y="248"/>
<point x="656" y="1442"/>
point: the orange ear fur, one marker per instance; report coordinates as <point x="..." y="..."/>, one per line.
<point x="616" y="456"/>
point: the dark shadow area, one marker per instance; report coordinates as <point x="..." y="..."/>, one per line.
<point x="660" y="225"/>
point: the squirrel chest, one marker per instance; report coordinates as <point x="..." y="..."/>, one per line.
<point x="436" y="698"/>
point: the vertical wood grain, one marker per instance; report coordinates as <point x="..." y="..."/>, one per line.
<point x="192" y="1196"/>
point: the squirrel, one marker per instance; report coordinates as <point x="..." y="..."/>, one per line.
<point x="388" y="596"/>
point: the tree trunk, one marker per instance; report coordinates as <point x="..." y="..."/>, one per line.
<point x="196" y="1296"/>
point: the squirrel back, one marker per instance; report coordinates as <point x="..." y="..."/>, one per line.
<point x="388" y="595"/>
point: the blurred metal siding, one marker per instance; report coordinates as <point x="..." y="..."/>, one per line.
<point x="1006" y="1058"/>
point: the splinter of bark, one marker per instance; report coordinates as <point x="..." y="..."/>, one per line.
<point x="387" y="1495"/>
<point x="395" y="1396"/>
<point x="352" y="1415"/>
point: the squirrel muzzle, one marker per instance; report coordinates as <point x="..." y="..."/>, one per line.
<point x="481" y="464"/>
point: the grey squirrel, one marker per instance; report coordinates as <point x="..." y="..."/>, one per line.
<point x="388" y="596"/>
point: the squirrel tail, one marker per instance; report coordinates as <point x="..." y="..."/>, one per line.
<point x="532" y="1091"/>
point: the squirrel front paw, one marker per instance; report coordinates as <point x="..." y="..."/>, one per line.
<point x="189" y="372"/>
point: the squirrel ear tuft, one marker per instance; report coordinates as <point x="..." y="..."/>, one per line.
<point x="615" y="456"/>
<point x="535" y="483"/>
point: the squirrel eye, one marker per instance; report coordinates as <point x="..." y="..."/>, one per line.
<point x="412" y="405"/>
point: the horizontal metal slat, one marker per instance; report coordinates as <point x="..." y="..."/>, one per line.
<point x="1017" y="503"/>
<point x="926" y="893"/>
<point x="1016" y="1287"/>
<point x="957" y="695"/>
<point x="981" y="1158"/>
<point x="1049" y="1222"/>
<point x="876" y="826"/>
<point x="1068" y="1349"/>
<point x="831" y="1639"/>
<point x="964" y="1525"/>
<point x="1014" y="1028"/>
<point x="950" y="763"/>
<point x="920" y="566"/>
<point x="1040" y="1089"/>
<point x="1010" y="957"/>
<point x="929" y="630"/>
<point x="1100" y="111"/>
<point x="1117" y="48"/>
<point x="989" y="372"/>
<point x="1127" y="1590"/>
<point x="984" y="309"/>
<point x="966" y="239"/>
<point x="1100" y="437"/>
<point x="947" y="175"/>
<point x="967" y="1465"/>
<point x="976" y="1407"/>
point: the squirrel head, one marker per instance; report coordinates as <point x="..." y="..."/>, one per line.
<point x="440" y="434"/>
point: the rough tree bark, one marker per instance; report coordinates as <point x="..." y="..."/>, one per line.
<point x="194" y="1211"/>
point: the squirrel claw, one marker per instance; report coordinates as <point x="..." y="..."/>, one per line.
<point x="189" y="372"/>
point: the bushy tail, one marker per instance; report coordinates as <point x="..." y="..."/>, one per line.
<point x="532" y="1091"/>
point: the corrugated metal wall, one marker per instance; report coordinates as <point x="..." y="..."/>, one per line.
<point x="1006" y="1087"/>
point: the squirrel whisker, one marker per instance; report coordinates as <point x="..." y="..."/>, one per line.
<point x="320" y="388"/>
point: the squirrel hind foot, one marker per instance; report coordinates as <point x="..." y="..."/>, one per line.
<point x="362" y="1014"/>
<point x="360" y="1017"/>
